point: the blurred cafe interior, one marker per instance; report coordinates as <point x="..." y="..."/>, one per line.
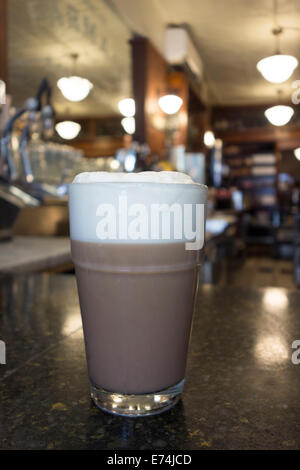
<point x="210" y="88"/>
<point x="120" y="85"/>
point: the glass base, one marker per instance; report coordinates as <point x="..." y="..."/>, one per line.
<point x="136" y="405"/>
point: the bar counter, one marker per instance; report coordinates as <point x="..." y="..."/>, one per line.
<point x="241" y="392"/>
<point x="34" y="254"/>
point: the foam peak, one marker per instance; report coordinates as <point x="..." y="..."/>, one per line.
<point x="172" y="177"/>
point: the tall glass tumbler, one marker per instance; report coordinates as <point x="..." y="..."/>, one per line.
<point x="137" y="241"/>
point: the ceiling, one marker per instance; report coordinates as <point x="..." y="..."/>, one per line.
<point x="230" y="35"/>
<point x="44" y="33"/>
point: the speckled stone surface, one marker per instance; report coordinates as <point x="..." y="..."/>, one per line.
<point x="242" y="390"/>
<point x="32" y="254"/>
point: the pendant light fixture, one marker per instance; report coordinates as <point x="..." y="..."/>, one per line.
<point x="170" y="97"/>
<point x="127" y="107"/>
<point x="74" y="88"/>
<point x="297" y="153"/>
<point x="209" y="139"/>
<point x="128" y="124"/>
<point x="2" y="92"/>
<point x="280" y="114"/>
<point x="170" y="103"/>
<point x="279" y="67"/>
<point x="68" y="129"/>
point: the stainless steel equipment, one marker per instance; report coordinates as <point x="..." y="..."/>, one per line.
<point x="34" y="165"/>
<point x="12" y="200"/>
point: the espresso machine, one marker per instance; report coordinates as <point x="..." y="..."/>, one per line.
<point x="22" y="196"/>
<point x="12" y="197"/>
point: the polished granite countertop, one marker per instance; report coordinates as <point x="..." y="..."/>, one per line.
<point x="31" y="254"/>
<point x="241" y="392"/>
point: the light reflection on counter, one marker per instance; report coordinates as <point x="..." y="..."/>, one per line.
<point x="271" y="350"/>
<point x="72" y="322"/>
<point x="271" y="347"/>
<point x="275" y="299"/>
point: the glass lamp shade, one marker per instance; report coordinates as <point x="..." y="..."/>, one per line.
<point x="128" y="124"/>
<point x="170" y="104"/>
<point x="297" y="153"/>
<point x="68" y="129"/>
<point x="279" y="115"/>
<point x="129" y="163"/>
<point x="127" y="107"/>
<point x="74" y="88"/>
<point x="209" y="139"/>
<point x="277" y="68"/>
<point x="2" y="92"/>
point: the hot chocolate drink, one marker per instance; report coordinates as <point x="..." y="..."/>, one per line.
<point x="136" y="291"/>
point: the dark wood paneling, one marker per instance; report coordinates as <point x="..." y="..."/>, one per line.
<point x="288" y="163"/>
<point x="282" y="136"/>
<point x="198" y="123"/>
<point x="156" y="83"/>
<point x="149" y="81"/>
<point x="139" y="71"/>
<point x="152" y="79"/>
<point x="178" y="81"/>
<point x="97" y="126"/>
<point x="99" y="147"/>
<point x="238" y="118"/>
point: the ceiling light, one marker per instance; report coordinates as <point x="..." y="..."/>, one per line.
<point x="74" y="88"/>
<point x="277" y="68"/>
<point x="297" y="153"/>
<point x="275" y="299"/>
<point x="279" y="115"/>
<point x="114" y="164"/>
<point x="127" y="107"/>
<point x="170" y="104"/>
<point x="128" y="124"/>
<point x="130" y="161"/>
<point x="68" y="129"/>
<point x="209" y="139"/>
<point x="2" y="92"/>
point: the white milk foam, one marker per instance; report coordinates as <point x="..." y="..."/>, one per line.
<point x="144" y="176"/>
<point x="98" y="196"/>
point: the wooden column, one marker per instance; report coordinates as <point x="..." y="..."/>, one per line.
<point x="149" y="76"/>
<point x="139" y="85"/>
<point x="178" y="84"/>
<point x="152" y="78"/>
<point x="3" y="42"/>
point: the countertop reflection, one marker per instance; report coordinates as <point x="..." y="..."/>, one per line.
<point x="242" y="389"/>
